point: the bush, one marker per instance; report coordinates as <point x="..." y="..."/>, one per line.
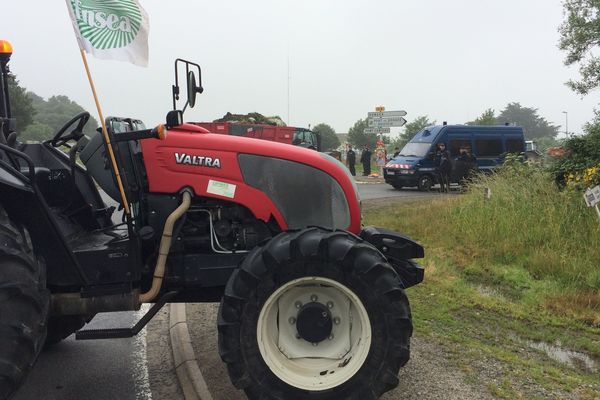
<point x="578" y="165"/>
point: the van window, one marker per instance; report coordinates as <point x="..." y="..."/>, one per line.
<point x="488" y="147"/>
<point x="514" y="145"/>
<point x="415" y="149"/>
<point x="456" y="144"/>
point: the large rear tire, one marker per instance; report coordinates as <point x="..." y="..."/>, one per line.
<point x="314" y="314"/>
<point x="24" y="303"/>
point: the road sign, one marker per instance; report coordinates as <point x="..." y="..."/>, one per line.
<point x="377" y="130"/>
<point x="592" y="196"/>
<point x="385" y="114"/>
<point x="386" y="122"/>
<point x="394" y="118"/>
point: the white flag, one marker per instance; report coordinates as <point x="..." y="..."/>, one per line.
<point x="111" y="29"/>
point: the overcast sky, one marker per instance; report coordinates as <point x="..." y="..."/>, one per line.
<point x="449" y="60"/>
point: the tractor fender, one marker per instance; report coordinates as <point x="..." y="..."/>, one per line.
<point x="399" y="249"/>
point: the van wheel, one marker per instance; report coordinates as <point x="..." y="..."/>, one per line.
<point x="425" y="183"/>
<point x="397" y="186"/>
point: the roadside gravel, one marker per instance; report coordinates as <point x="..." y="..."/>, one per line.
<point x="428" y="375"/>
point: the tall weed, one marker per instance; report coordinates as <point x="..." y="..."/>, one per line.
<point x="528" y="221"/>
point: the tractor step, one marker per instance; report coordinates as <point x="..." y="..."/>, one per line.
<point x="116" y="333"/>
<point x="120" y="333"/>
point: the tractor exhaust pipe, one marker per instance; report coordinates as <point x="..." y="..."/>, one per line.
<point x="165" y="247"/>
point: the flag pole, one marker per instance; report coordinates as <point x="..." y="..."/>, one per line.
<point x="106" y="137"/>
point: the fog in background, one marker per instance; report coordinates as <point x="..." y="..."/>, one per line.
<point x="449" y="60"/>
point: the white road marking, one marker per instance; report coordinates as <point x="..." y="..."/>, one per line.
<point x="140" y="361"/>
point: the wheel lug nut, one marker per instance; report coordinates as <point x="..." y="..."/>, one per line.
<point x="331" y="337"/>
<point x="336" y="320"/>
<point x="315" y="344"/>
<point x="292" y="320"/>
<point x="314" y="298"/>
<point x="298" y="336"/>
<point x="330" y="304"/>
<point x="298" y="304"/>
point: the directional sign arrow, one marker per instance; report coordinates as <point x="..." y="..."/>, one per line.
<point x="386" y="122"/>
<point x="384" y="114"/>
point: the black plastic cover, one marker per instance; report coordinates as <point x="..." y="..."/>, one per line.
<point x="304" y="195"/>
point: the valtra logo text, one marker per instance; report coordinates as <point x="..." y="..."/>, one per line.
<point x="107" y="24"/>
<point x="202" y="161"/>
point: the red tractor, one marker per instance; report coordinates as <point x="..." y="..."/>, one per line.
<point x="313" y="305"/>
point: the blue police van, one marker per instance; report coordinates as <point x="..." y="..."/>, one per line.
<point x="415" y="165"/>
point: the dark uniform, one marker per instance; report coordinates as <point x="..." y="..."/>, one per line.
<point x="467" y="163"/>
<point x="365" y="159"/>
<point x="443" y="166"/>
<point x="351" y="160"/>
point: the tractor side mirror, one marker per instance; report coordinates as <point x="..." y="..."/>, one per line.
<point x="174" y="118"/>
<point x="191" y="85"/>
<point x="192" y="88"/>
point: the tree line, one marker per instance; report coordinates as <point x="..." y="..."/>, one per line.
<point x="39" y="119"/>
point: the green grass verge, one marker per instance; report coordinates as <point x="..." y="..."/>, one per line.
<point x="503" y="277"/>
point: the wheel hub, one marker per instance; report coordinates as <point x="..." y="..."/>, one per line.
<point x="314" y="322"/>
<point x="314" y="333"/>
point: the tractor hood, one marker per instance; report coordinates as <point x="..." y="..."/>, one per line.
<point x="295" y="186"/>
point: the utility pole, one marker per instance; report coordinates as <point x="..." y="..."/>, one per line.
<point x="566" y="124"/>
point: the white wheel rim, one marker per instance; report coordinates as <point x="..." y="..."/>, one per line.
<point x="299" y="363"/>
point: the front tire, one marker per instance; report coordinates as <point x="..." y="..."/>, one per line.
<point x="24" y="303"/>
<point x="315" y="314"/>
<point x="425" y="183"/>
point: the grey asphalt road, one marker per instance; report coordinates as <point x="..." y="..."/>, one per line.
<point x="139" y="368"/>
<point x="371" y="191"/>
<point x="102" y="369"/>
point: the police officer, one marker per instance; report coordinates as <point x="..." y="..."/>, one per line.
<point x="443" y="167"/>
<point x="365" y="159"/>
<point x="351" y="160"/>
